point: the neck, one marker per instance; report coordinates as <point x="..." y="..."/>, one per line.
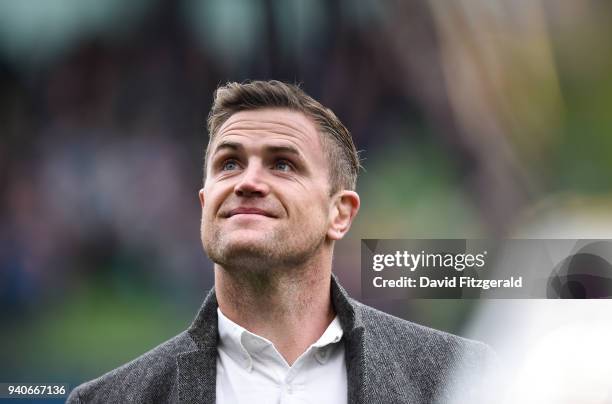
<point x="291" y="307"/>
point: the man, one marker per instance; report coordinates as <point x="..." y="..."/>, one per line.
<point x="280" y="174"/>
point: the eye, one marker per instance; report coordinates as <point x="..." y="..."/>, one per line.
<point x="283" y="165"/>
<point x="229" y="165"/>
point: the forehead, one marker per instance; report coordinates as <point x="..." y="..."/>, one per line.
<point x="271" y="124"/>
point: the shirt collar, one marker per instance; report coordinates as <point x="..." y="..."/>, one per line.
<point x="323" y="346"/>
<point x="231" y="337"/>
<point x="241" y="344"/>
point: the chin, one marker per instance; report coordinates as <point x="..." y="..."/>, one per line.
<point x="245" y="257"/>
<point x="240" y="247"/>
<point x="254" y="245"/>
<point x="247" y="238"/>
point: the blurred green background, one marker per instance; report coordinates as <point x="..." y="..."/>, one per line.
<point x="475" y="119"/>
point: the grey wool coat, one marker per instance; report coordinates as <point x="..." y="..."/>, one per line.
<point x="388" y="360"/>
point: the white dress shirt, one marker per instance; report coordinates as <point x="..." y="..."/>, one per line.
<point x="251" y="370"/>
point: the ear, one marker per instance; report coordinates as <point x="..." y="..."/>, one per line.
<point x="201" y="195"/>
<point x="345" y="205"/>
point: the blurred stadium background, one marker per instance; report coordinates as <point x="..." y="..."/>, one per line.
<point x="476" y="119"/>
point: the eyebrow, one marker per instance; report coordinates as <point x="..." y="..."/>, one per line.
<point x="284" y="149"/>
<point x="226" y="145"/>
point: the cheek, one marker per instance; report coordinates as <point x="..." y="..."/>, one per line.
<point x="316" y="211"/>
<point x="213" y="198"/>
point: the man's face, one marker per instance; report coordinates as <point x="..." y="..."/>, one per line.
<point x="266" y="201"/>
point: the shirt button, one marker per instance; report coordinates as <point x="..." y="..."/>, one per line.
<point x="289" y="389"/>
<point x="322" y="354"/>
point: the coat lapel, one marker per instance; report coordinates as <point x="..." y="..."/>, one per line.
<point x="197" y="376"/>
<point x="197" y="370"/>
<point x="356" y="368"/>
<point x="354" y="343"/>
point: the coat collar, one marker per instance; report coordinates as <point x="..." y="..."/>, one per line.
<point x="197" y="369"/>
<point x="354" y="342"/>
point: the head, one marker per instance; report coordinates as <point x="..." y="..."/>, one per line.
<point x="280" y="174"/>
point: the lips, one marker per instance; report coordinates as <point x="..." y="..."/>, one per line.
<point x="248" y="211"/>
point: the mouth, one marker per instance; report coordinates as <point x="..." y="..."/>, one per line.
<point x="248" y="211"/>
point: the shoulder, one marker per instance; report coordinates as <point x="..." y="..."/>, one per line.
<point x="437" y="363"/>
<point x="391" y="331"/>
<point x="150" y="377"/>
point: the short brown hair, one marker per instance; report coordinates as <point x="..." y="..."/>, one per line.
<point x="337" y="141"/>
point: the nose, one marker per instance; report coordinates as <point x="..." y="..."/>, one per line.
<point x="252" y="182"/>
